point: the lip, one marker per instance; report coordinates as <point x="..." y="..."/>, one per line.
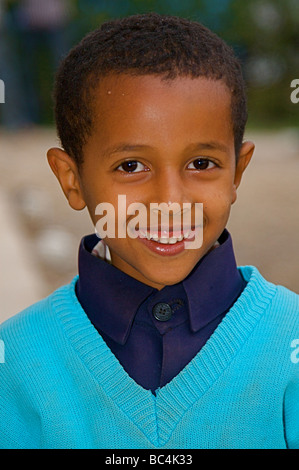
<point x="167" y="249"/>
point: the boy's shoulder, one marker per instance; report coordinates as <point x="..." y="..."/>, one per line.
<point x="286" y="298"/>
<point x="253" y="275"/>
<point x="287" y="304"/>
<point x="37" y="320"/>
<point x="288" y="293"/>
<point x="281" y="301"/>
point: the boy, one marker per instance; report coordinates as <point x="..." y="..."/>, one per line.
<point x="156" y="344"/>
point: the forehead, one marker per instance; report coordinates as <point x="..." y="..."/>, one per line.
<point x="141" y="108"/>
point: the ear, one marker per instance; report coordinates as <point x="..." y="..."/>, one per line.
<point x="66" y="171"/>
<point x="244" y="158"/>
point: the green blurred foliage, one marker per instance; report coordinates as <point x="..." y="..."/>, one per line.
<point x="268" y="32"/>
<point x="263" y="33"/>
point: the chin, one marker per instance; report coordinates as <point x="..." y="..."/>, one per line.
<point x="168" y="279"/>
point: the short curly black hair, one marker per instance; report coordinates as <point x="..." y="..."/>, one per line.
<point x="149" y="44"/>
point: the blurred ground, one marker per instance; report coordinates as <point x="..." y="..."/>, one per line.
<point x="40" y="233"/>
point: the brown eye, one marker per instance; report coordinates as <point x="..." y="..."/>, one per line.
<point x="131" y="166"/>
<point x="202" y="164"/>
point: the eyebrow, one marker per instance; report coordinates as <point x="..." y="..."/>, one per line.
<point x="194" y="147"/>
<point x="211" y="145"/>
<point x="125" y="147"/>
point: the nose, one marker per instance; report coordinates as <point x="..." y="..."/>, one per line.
<point x="169" y="198"/>
<point x="170" y="188"/>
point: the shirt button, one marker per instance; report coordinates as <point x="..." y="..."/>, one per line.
<point x="162" y="311"/>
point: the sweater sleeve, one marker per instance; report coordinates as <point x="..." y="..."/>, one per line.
<point x="291" y="413"/>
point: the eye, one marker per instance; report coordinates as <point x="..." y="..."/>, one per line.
<point x="131" y="166"/>
<point x="201" y="164"/>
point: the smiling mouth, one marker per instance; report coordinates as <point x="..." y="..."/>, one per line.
<point x="167" y="237"/>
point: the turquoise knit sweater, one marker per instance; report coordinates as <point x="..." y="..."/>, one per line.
<point x="61" y="387"/>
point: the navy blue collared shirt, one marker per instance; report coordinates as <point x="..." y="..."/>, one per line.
<point x="155" y="333"/>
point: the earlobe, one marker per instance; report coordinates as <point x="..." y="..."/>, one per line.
<point x="234" y="194"/>
<point x="65" y="170"/>
<point x="244" y="158"/>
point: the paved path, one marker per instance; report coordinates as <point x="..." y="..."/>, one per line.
<point x="21" y="283"/>
<point x="40" y="233"/>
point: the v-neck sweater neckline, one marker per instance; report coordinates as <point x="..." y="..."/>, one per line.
<point x="157" y="416"/>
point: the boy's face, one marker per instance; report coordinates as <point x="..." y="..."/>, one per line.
<point x="158" y="141"/>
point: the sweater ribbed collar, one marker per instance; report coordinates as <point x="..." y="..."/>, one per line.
<point x="157" y="416"/>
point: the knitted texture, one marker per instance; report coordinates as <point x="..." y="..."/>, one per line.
<point x="61" y="386"/>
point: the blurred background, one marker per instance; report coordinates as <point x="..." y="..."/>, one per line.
<point x="40" y="234"/>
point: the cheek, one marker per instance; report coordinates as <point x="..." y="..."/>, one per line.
<point x="98" y="194"/>
<point x="218" y="204"/>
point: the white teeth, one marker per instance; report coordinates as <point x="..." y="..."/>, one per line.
<point x="187" y="235"/>
<point x="163" y="239"/>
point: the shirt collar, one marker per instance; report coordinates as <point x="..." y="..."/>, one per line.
<point x="111" y="298"/>
<point x="214" y="284"/>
